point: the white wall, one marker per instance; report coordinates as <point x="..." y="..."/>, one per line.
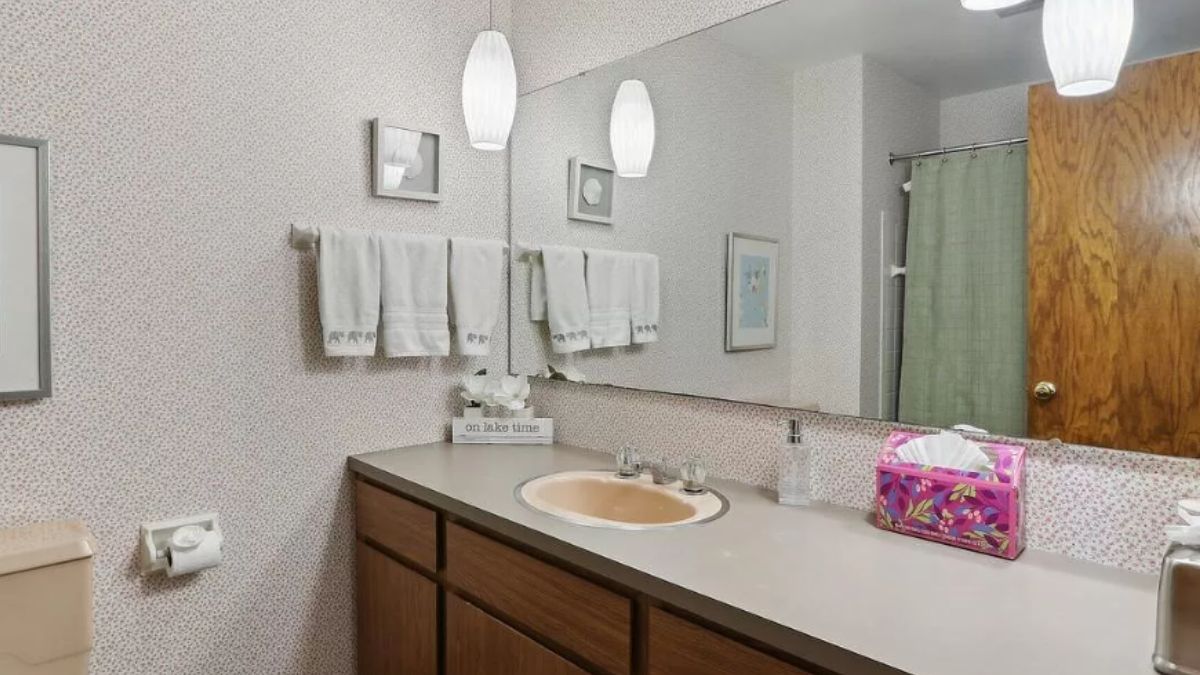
<point x="991" y="115"/>
<point x="721" y="164"/>
<point x="897" y="115"/>
<point x="188" y="376"/>
<point x="827" y="235"/>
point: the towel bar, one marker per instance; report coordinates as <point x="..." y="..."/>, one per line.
<point x="304" y="238"/>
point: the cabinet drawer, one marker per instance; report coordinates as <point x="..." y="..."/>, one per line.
<point x="477" y="644"/>
<point x="564" y="609"/>
<point x="396" y="524"/>
<point x="397" y="617"/>
<point x="679" y="647"/>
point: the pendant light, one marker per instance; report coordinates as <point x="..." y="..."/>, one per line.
<point x="990" y="5"/>
<point x="1086" y="42"/>
<point x="631" y="129"/>
<point x="489" y="89"/>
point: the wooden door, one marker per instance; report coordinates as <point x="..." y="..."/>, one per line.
<point x="1114" y="261"/>
<point x="679" y="647"/>
<point x="477" y="644"/>
<point x="397" y="617"/>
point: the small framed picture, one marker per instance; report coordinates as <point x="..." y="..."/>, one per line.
<point x="751" y="280"/>
<point x="408" y="162"/>
<point x="24" y="268"/>
<point x="591" y="195"/>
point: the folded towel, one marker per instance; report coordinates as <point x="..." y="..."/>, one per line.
<point x="348" y="291"/>
<point x="476" y="277"/>
<point x="414" y="295"/>
<point x="537" y="288"/>
<point x="643" y="298"/>
<point x="608" y="289"/>
<point x="566" y="298"/>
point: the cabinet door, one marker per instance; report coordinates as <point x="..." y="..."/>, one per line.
<point x="397" y="617"/>
<point x="680" y="647"/>
<point x="477" y="644"/>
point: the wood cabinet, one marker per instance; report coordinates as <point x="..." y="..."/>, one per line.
<point x="477" y="644"/>
<point x="558" y="605"/>
<point x="436" y="596"/>
<point x="397" y="617"/>
<point x="679" y="647"/>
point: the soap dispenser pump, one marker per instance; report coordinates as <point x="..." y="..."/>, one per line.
<point x="795" y="468"/>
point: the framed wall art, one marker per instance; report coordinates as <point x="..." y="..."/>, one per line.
<point x="407" y="162"/>
<point x="591" y="195"/>
<point x="24" y="268"/>
<point x="751" y="293"/>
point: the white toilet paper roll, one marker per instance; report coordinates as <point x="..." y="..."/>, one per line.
<point x="187" y="560"/>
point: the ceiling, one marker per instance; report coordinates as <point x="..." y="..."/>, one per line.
<point x="936" y="43"/>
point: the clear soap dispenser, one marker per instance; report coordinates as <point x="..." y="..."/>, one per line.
<point x="795" y="468"/>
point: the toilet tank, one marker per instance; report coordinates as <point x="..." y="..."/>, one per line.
<point x="46" y="599"/>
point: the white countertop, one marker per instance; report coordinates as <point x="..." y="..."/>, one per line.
<point x="828" y="573"/>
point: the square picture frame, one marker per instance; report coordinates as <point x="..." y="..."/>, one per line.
<point x="751" y="292"/>
<point x="406" y="162"/>
<point x="591" y="193"/>
<point x="24" y="268"/>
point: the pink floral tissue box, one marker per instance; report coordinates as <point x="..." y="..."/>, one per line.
<point x="981" y="511"/>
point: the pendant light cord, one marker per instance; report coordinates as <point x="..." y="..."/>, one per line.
<point x="491" y="24"/>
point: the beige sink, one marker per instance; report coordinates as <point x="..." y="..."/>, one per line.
<point x="600" y="499"/>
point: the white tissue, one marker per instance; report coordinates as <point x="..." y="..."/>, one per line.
<point x="946" y="450"/>
<point x="1188" y="535"/>
<point x="183" y="559"/>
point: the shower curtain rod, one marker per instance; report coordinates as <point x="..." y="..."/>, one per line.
<point x="893" y="157"/>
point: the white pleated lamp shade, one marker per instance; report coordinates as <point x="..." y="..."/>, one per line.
<point x="631" y="129"/>
<point x="489" y="91"/>
<point x="1086" y="43"/>
<point x="990" y="5"/>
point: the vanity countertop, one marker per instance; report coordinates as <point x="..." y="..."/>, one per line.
<point x="820" y="582"/>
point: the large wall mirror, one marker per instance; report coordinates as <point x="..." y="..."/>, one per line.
<point x="886" y="210"/>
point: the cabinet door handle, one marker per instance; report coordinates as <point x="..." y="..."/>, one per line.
<point x="1044" y="391"/>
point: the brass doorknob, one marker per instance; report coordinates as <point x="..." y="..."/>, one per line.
<point x="1044" y="391"/>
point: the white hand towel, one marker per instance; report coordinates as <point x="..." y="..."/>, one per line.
<point x="608" y="288"/>
<point x="414" y="294"/>
<point x="537" y="288"/>
<point x="476" y="277"/>
<point x="566" y="298"/>
<point x="643" y="299"/>
<point x="348" y="291"/>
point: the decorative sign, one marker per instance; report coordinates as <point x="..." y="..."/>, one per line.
<point x="504" y="431"/>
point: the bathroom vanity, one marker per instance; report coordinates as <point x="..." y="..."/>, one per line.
<point x="456" y="576"/>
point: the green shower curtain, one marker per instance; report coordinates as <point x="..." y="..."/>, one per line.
<point x="963" y="355"/>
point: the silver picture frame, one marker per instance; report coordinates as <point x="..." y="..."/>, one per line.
<point x="41" y="180"/>
<point x="389" y="177"/>
<point x="737" y="337"/>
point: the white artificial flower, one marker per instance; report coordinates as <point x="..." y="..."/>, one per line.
<point x="475" y="389"/>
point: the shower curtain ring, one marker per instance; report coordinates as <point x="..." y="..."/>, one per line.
<point x="973" y="153"/>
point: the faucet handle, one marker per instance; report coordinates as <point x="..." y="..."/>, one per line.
<point x="629" y="464"/>
<point x="693" y="473"/>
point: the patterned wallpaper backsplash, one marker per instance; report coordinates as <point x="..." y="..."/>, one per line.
<point x="188" y="376"/>
<point x="1104" y="506"/>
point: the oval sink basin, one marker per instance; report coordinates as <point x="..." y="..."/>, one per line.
<point x="600" y="499"/>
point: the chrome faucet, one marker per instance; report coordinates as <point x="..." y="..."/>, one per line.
<point x="629" y="464"/>
<point x="693" y="474"/>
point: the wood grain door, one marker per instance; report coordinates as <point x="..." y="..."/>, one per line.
<point x="397" y="617"/>
<point x="1114" y="261"/>
<point x="477" y="644"/>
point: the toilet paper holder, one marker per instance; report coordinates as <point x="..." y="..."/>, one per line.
<point x="155" y="541"/>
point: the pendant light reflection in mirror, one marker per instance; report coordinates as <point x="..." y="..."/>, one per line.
<point x="631" y="129"/>
<point x="489" y="89"/>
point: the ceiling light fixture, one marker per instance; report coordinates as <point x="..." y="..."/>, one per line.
<point x="990" y="5"/>
<point x="489" y="90"/>
<point x="1086" y="43"/>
